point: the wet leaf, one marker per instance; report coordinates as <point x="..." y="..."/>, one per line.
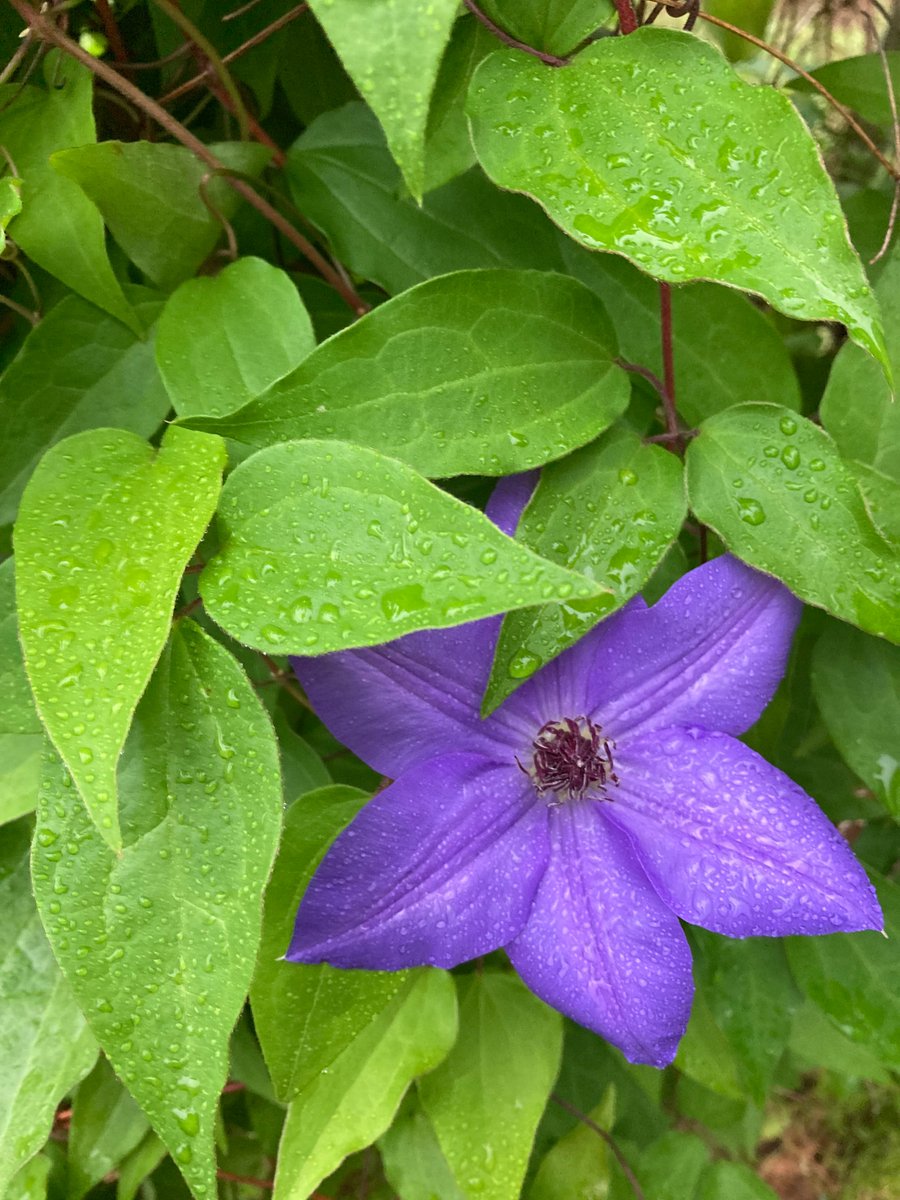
<point x="107" y="525"/>
<point x="159" y="940"/>
<point x="106" y="1126"/>
<point x="21" y="734"/>
<point x="487" y="1097"/>
<point x="223" y="340"/>
<point x="327" y="546"/>
<point x="773" y="486"/>
<point x="652" y="147"/>
<point x="610" y="511"/>
<point x="434" y="378"/>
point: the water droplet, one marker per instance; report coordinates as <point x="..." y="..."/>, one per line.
<point x="524" y="664"/>
<point x="788" y="426"/>
<point x="751" y="511"/>
<point x="790" y="456"/>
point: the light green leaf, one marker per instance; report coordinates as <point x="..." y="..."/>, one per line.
<point x="159" y="940"/>
<point x="854" y="978"/>
<point x="345" y="181"/>
<point x="858" y="408"/>
<point x="610" y="511"/>
<point x="45" y="1045"/>
<point x="21" y="735"/>
<point x="816" y="1043"/>
<point x="106" y="526"/>
<point x="350" y="1105"/>
<point x="31" y="1181"/>
<point x="732" y="1181"/>
<point x="413" y="1162"/>
<point x="556" y="26"/>
<point x="856" y="682"/>
<point x="305" y="1016"/>
<point x="392" y="51"/>
<point x="577" y="1167"/>
<point x="58" y="226"/>
<point x="487" y="1097"/>
<point x="859" y="83"/>
<point x="10" y="203"/>
<point x="434" y="377"/>
<point x="741" y="197"/>
<point x="774" y="488"/>
<point x="106" y="1126"/>
<point x="151" y="197"/>
<point x="670" y="1168"/>
<point x="223" y="340"/>
<point x="78" y="369"/>
<point x="704" y="1053"/>
<point x="327" y="546"/>
<point x="881" y="496"/>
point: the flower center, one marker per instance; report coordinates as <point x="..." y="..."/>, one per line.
<point x="570" y="758"/>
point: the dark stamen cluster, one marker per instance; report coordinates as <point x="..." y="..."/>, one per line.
<point x="571" y="758"/>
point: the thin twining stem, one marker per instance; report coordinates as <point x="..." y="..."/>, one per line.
<point x="895" y="125"/>
<point x="552" y="60"/>
<point x="607" y="1137"/>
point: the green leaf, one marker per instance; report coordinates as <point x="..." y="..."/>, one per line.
<point x="392" y="51"/>
<point x="704" y="1053"/>
<point x="740" y="197"/>
<point x="487" y="1097"/>
<point x="577" y="1167"/>
<point x="347" y="1107"/>
<point x="10" y="203"/>
<point x="306" y="1016"/>
<point x="448" y="147"/>
<point x="106" y="526"/>
<point x="410" y="556"/>
<point x="817" y="1043"/>
<point x="752" y="995"/>
<point x="413" y="1162"/>
<point x="159" y="940"/>
<point x="106" y="1126"/>
<point x="556" y="26"/>
<point x="151" y="197"/>
<point x="45" y="1045"/>
<point x="302" y="769"/>
<point x="856" y="682"/>
<point x="58" y="226"/>
<point x="434" y="378"/>
<point x="610" y="511"/>
<point x="854" y="979"/>
<point x="345" y="181"/>
<point x="774" y="488"/>
<point x="223" y="340"/>
<point x="78" y="369"/>
<point x="138" y="1165"/>
<point x="732" y="1181"/>
<point x="714" y="329"/>
<point x="21" y="735"/>
<point x="881" y="496"/>
<point x="670" y="1168"/>
<point x="858" y="83"/>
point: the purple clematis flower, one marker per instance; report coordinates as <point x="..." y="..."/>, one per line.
<point x="604" y="800"/>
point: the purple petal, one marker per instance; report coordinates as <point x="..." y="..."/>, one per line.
<point x="398" y="704"/>
<point x="600" y="945"/>
<point x="711" y="652"/>
<point x="440" y="867"/>
<point x="508" y="500"/>
<point x="732" y="844"/>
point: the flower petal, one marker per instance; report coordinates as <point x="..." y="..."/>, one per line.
<point x="711" y="652"/>
<point x="398" y="704"/>
<point x="440" y="867"/>
<point x="600" y="945"/>
<point x="732" y="844"/>
<point x="508" y="500"/>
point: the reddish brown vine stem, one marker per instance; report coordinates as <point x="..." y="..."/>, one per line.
<point x="47" y="31"/>
<point x="607" y="1137"/>
<point x="552" y="60"/>
<point x="628" y="21"/>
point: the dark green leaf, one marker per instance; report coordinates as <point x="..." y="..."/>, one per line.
<point x="881" y="496"/>
<point x="151" y="197"/>
<point x="448" y="147"/>
<point x="856" y="680"/>
<point x="608" y="511"/>
<point x="223" y="340"/>
<point x="79" y="369"/>
<point x="670" y="1168"/>
<point x="435" y="378"/>
<point x="732" y="1181"/>
<point x="106" y="527"/>
<point x="859" y="83"/>
<point x="773" y="486"/>
<point x="106" y="1126"/>
<point x="159" y="940"/>
<point x="578" y="1166"/>
<point x="327" y="546"/>
<point x="392" y="53"/>
<point x="487" y="1097"/>
<point x="413" y="1161"/>
<point x="45" y="1045"/>
<point x="615" y="150"/>
<point x="556" y="26"/>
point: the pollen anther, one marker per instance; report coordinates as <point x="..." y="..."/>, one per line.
<point x="571" y="758"/>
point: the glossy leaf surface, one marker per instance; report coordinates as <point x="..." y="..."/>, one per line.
<point x="409" y="556"/>
<point x="21" y="735"/>
<point x="417" y="377"/>
<point x="651" y="147"/>
<point x="106" y="527"/>
<point x="159" y="940"/>
<point x="773" y="486"/>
